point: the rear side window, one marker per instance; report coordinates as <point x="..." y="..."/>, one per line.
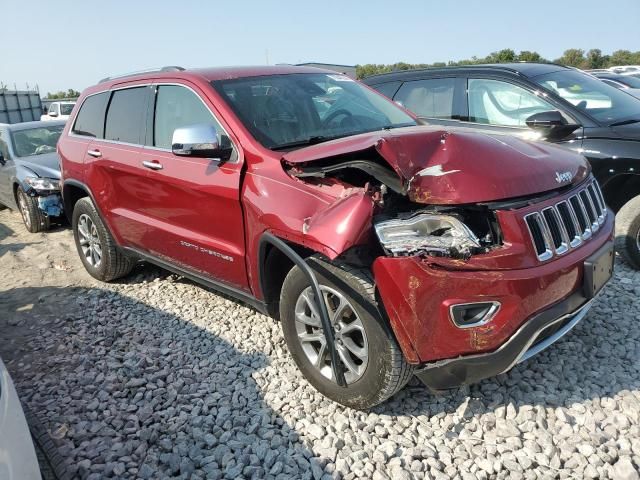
<point x="90" y="119"/>
<point x="178" y="107"/>
<point x="432" y="98"/>
<point x="126" y="115"/>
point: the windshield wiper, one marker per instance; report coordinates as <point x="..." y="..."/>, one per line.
<point x="303" y="143"/>
<point x="625" y="122"/>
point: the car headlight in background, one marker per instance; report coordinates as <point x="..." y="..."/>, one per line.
<point x="442" y="235"/>
<point x="43" y="184"/>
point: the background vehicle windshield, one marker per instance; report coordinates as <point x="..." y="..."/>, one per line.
<point x="36" y="141"/>
<point x="65" y="109"/>
<point x="284" y="111"/>
<point x="603" y="102"/>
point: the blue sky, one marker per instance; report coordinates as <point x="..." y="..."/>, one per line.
<point x="60" y="44"/>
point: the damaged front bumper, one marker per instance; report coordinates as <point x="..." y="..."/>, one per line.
<point x="51" y="204"/>
<point x="418" y="295"/>
<point x="538" y="333"/>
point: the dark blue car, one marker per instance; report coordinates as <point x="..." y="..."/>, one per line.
<point x="30" y="172"/>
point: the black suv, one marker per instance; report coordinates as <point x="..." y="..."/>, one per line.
<point x="546" y="101"/>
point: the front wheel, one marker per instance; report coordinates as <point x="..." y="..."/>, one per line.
<point x="628" y="232"/>
<point x="34" y="219"/>
<point x="373" y="365"/>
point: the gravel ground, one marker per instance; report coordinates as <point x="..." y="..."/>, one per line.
<point x="156" y="377"/>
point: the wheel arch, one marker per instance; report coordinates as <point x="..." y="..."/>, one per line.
<point x="72" y="191"/>
<point x="273" y="267"/>
<point x="620" y="189"/>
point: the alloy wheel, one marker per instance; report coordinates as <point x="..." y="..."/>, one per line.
<point x="350" y="336"/>
<point x="89" y="240"/>
<point x="24" y="209"/>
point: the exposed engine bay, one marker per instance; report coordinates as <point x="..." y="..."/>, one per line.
<point x="404" y="226"/>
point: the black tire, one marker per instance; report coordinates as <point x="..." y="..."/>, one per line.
<point x="33" y="218"/>
<point x="53" y="466"/>
<point x="386" y="370"/>
<point x="113" y="262"/>
<point x="628" y="232"/>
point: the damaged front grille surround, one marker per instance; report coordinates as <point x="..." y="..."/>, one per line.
<point x="557" y="229"/>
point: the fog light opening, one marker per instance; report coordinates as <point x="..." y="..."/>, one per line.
<point x="468" y="315"/>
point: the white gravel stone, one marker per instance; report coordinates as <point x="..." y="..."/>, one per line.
<point x="154" y="377"/>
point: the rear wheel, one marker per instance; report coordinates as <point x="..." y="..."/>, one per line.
<point x="34" y="219"/>
<point x="628" y="232"/>
<point x="97" y="249"/>
<point x="373" y="365"/>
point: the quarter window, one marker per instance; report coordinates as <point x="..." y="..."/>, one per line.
<point x="178" y="107"/>
<point x="90" y="119"/>
<point x="126" y="115"/>
<point x="500" y="103"/>
<point x="431" y="98"/>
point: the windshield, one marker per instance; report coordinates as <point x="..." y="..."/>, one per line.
<point x="603" y="102"/>
<point x="288" y="111"/>
<point x="36" y="141"/>
<point x="65" y="108"/>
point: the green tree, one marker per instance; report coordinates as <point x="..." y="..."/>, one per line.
<point x="622" y="57"/>
<point x="573" y="57"/>
<point x="70" y="93"/>
<point x="503" y="56"/>
<point x="595" y="59"/>
<point x="527" y="56"/>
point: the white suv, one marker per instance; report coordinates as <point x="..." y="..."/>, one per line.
<point x="58" y="111"/>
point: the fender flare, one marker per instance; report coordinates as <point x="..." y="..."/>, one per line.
<point x="69" y="212"/>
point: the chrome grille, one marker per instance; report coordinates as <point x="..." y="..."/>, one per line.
<point x="557" y="229"/>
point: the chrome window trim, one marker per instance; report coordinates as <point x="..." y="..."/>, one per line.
<point x="152" y="147"/>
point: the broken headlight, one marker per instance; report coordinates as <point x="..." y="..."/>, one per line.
<point x="442" y="235"/>
<point x="43" y="184"/>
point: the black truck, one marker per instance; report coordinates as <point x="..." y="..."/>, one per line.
<point x="546" y="101"/>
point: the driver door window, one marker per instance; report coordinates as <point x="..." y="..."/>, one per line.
<point x="178" y="107"/>
<point x="494" y="102"/>
<point x="53" y="108"/>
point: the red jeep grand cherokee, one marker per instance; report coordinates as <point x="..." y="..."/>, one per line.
<point x="444" y="253"/>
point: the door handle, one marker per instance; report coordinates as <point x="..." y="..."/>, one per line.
<point x="153" y="165"/>
<point x="94" y="153"/>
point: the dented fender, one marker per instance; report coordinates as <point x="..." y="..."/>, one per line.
<point x="343" y="224"/>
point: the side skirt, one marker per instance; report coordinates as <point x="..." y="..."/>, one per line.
<point x="223" y="288"/>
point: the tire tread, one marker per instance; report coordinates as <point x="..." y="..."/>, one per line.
<point x="627" y="225"/>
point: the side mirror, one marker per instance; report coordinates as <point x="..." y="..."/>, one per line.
<point x="199" y="140"/>
<point x="551" y="124"/>
<point x="53" y="114"/>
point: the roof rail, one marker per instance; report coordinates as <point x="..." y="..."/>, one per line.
<point x="170" y="68"/>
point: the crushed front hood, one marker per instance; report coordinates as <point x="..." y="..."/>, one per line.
<point x="457" y="166"/>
